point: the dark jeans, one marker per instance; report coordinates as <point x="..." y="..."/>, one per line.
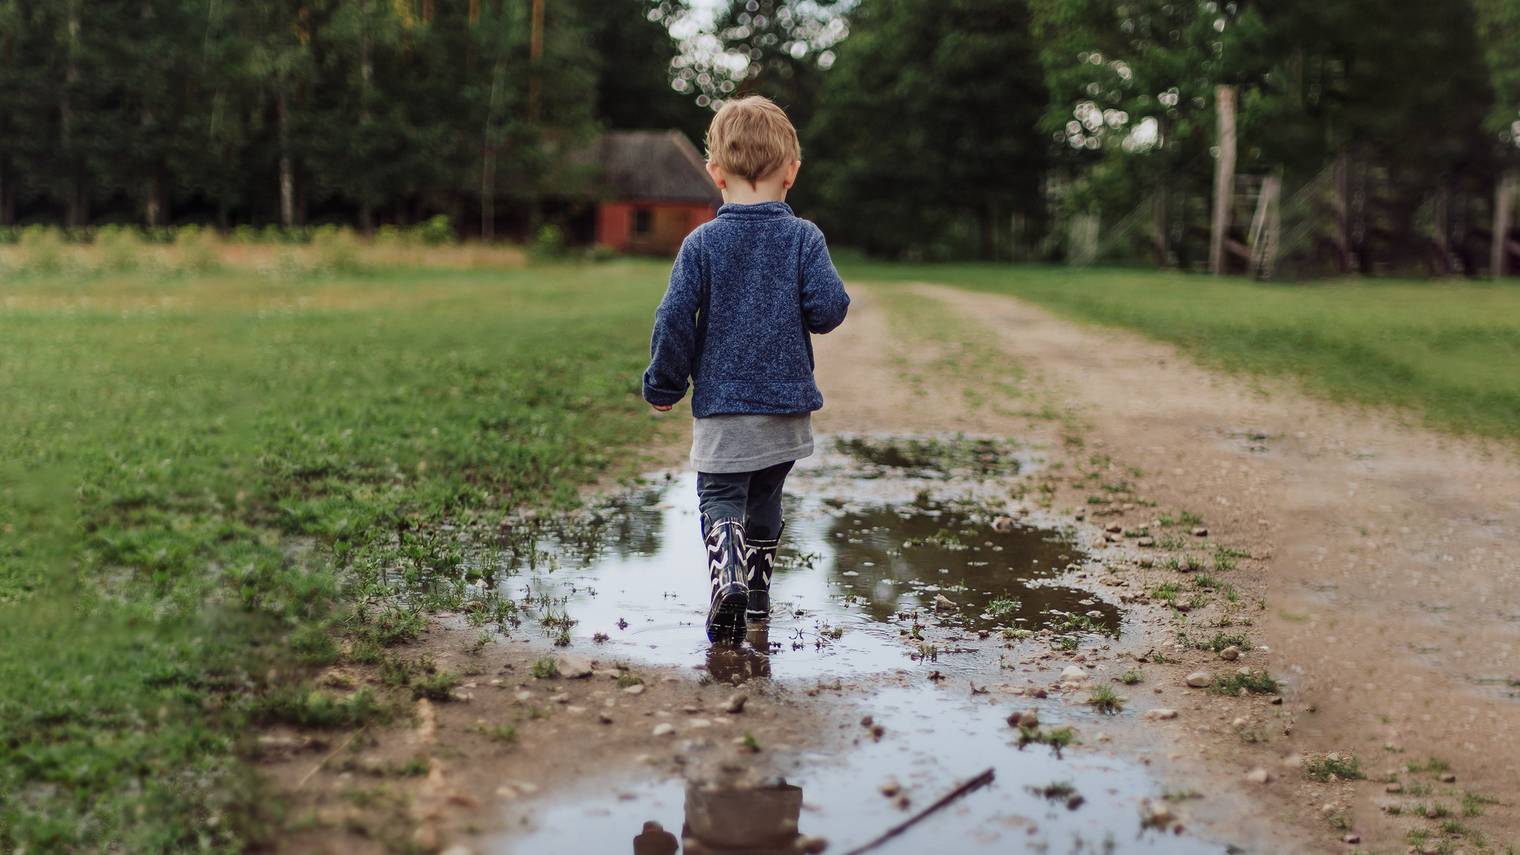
<point x="754" y="497"/>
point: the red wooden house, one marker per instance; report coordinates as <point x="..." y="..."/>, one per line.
<point x="655" y="191"/>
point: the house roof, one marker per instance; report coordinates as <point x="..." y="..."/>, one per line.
<point x="654" y="165"/>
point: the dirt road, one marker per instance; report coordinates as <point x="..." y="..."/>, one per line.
<point x="1362" y="563"/>
<point x="1391" y="585"/>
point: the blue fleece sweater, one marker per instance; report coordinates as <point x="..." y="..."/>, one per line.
<point x="746" y="292"/>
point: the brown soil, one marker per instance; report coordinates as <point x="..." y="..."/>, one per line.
<point x="1373" y="587"/>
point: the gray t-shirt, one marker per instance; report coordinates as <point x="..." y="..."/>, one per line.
<point x="747" y="443"/>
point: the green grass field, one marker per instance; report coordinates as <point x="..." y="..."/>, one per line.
<point x="1446" y="353"/>
<point x="170" y="444"/>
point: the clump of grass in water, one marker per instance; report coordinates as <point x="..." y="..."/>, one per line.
<point x="1105" y="700"/>
<point x="1345" y="767"/>
<point x="545" y="668"/>
<point x="1132" y="677"/>
<point x="1003" y="607"/>
<point x="1057" y="738"/>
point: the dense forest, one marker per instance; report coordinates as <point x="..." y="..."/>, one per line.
<point x="986" y="128"/>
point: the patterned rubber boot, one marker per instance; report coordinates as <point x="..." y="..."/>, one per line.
<point x="725" y="572"/>
<point x="760" y="563"/>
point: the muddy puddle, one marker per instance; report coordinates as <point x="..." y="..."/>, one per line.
<point x="895" y="566"/>
<point x="874" y="574"/>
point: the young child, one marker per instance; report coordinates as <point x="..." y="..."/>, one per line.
<point x="747" y="290"/>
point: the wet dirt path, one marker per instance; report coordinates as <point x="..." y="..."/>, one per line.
<point x="1117" y="466"/>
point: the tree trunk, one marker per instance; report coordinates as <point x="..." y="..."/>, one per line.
<point x="1343" y="239"/>
<point x="1224" y="177"/>
<point x="1504" y="207"/>
<point x="287" y="171"/>
<point x="154" y="210"/>
<point x="535" y="54"/>
<point x="366" y="72"/>
<point x="488" y="158"/>
<point x="1158" y="225"/>
<point x="77" y="215"/>
<point x="488" y="194"/>
<point x="7" y="195"/>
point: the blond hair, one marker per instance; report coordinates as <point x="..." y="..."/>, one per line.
<point x="751" y="138"/>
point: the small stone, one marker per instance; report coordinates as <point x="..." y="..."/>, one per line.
<point x="604" y="718"/>
<point x="902" y="801"/>
<point x="699" y="723"/>
<point x="1200" y="679"/>
<point x="1073" y="674"/>
<point x="1147" y="562"/>
<point x="560" y="698"/>
<point x="1230" y="654"/>
<point x="1258" y="775"/>
<point x="1394" y="787"/>
<point x="735" y="704"/>
<point x="1113" y="528"/>
<point x="1146" y="541"/>
<point x="1002" y="525"/>
<point x="458" y="849"/>
<point x="1448" y="778"/>
<point x="810" y="845"/>
<point x="425" y="838"/>
<point x="664" y="729"/>
<point x="1200" y="531"/>
<point x="890" y="787"/>
<point x="575" y="667"/>
<point x="1028" y="718"/>
<point x="943" y="603"/>
<point x="1156" y="814"/>
<point x="1161" y="714"/>
<point x="635" y="689"/>
<point x="1352" y="838"/>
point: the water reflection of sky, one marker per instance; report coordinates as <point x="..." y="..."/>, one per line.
<point x="864" y="571"/>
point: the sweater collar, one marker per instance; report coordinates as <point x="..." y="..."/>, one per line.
<point x="757" y="211"/>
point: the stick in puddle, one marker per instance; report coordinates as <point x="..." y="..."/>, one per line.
<point x="972" y="785"/>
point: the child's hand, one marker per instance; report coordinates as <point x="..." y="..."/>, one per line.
<point x="662" y="408"/>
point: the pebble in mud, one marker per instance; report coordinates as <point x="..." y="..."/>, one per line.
<point x="1230" y="654"/>
<point x="735" y="704"/>
<point x="1028" y="718"/>
<point x="664" y="729"/>
<point x="1200" y="679"/>
<point x="811" y="845"/>
<point x="1161" y="714"/>
<point x="574" y="667"/>
<point x="1258" y="775"/>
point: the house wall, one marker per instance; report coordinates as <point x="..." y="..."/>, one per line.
<point x="668" y="224"/>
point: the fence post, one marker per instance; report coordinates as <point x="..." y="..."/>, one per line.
<point x="1504" y="204"/>
<point x="1224" y="176"/>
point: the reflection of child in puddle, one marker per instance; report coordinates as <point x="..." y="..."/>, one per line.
<point x="749" y="820"/>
